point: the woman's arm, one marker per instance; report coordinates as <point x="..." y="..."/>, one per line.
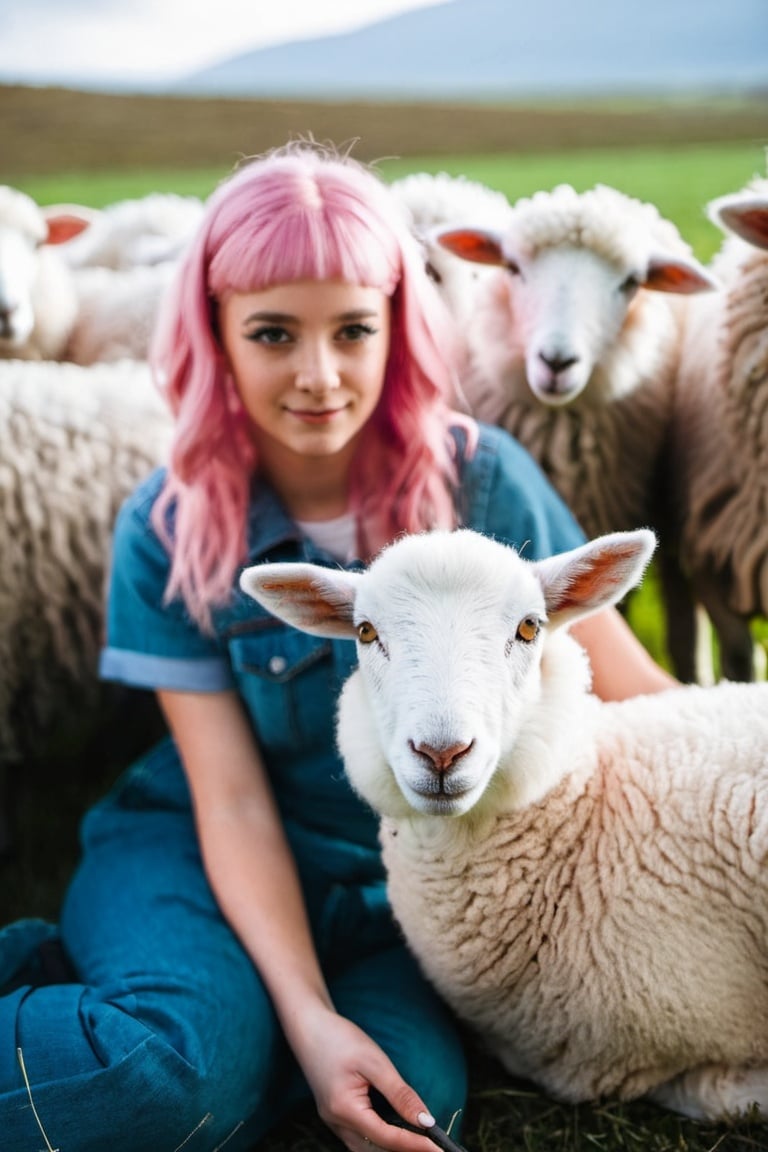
<point x="251" y="869"/>
<point x="621" y="666"/>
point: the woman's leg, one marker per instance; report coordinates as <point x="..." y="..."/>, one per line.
<point x="169" y="1037"/>
<point x="387" y="996"/>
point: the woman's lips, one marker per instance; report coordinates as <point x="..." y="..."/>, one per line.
<point x="316" y="416"/>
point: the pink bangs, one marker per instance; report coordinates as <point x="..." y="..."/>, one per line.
<point x="309" y="226"/>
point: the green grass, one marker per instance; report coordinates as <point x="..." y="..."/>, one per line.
<point x="97" y="189"/>
<point x="679" y="181"/>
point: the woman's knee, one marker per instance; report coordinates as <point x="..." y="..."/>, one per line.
<point x="116" y="1069"/>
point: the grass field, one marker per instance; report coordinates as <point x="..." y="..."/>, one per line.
<point x="678" y="180"/>
<point x="62" y="146"/>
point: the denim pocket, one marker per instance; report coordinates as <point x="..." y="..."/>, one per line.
<point x="289" y="684"/>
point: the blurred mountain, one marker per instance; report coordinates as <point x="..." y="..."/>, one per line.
<point x="486" y="49"/>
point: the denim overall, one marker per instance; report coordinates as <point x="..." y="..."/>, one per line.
<point x="166" y="1037"/>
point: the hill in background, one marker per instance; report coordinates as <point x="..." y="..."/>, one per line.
<point x="482" y="49"/>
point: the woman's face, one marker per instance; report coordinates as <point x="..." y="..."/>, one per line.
<point x="308" y="360"/>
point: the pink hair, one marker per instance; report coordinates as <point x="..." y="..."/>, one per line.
<point x="301" y="212"/>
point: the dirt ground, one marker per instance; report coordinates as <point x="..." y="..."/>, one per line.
<point x="52" y="130"/>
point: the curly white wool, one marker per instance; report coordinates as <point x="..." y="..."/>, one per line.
<point x="719" y="441"/>
<point x="77" y="441"/>
<point x="432" y="201"/>
<point x="131" y="233"/>
<point x="117" y="312"/>
<point x="583" y="882"/>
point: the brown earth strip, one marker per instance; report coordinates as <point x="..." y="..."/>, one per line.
<point x="52" y="130"/>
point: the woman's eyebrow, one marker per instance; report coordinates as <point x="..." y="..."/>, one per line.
<point x="271" y="317"/>
<point x="289" y="318"/>
<point x="358" y="314"/>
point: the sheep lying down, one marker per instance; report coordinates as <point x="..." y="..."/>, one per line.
<point x="585" y="883"/>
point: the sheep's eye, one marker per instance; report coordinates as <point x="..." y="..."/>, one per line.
<point x="512" y="267"/>
<point x="432" y="272"/>
<point x="528" y="629"/>
<point x="366" y="633"/>
<point x="630" y="285"/>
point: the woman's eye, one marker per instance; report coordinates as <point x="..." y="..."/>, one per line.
<point x="528" y="629"/>
<point x="366" y="633"/>
<point x="355" y="332"/>
<point x="270" y="334"/>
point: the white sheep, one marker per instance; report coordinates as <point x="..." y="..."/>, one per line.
<point x="434" y="201"/>
<point x="123" y="262"/>
<point x="38" y="303"/>
<point x="574" y="342"/>
<point x="117" y="312"/>
<point x="76" y="441"/>
<point x="719" y="443"/>
<point x="147" y="230"/>
<point x="585" y="883"/>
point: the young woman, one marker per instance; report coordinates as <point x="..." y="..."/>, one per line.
<point x="231" y="950"/>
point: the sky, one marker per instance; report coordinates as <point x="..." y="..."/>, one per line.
<point x="158" y="41"/>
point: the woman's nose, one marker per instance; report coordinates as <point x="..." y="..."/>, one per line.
<point x="318" y="370"/>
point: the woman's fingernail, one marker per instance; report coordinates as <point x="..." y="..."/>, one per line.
<point x="426" y="1120"/>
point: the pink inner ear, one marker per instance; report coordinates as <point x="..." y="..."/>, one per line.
<point x="750" y="223"/>
<point x="478" y="247"/>
<point x="312" y="605"/>
<point x="605" y="570"/>
<point x="65" y="227"/>
<point x="679" y="278"/>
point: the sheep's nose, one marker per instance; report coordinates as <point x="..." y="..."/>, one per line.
<point x="442" y="759"/>
<point x="557" y="363"/>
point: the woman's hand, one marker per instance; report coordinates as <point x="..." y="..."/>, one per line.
<point x="342" y="1064"/>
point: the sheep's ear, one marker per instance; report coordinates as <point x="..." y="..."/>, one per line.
<point x="743" y="214"/>
<point x="597" y="574"/>
<point x="471" y="244"/>
<point x="65" y="221"/>
<point x="316" y="600"/>
<point x="678" y="274"/>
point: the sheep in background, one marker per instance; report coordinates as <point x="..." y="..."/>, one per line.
<point x="86" y="313"/>
<point x="148" y="230"/>
<point x="76" y="441"/>
<point x="574" y="342"/>
<point x="585" y="883"/>
<point x="122" y="264"/>
<point x="432" y="202"/>
<point x="38" y="303"/>
<point x="117" y="312"/>
<point x="719" y="445"/>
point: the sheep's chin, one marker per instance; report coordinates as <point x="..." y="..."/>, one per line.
<point x="442" y="805"/>
<point x="430" y="803"/>
<point x="555" y="391"/>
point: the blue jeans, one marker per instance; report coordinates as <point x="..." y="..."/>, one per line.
<point x="167" y="1036"/>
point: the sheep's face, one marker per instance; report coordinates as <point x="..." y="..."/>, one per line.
<point x="448" y="665"/>
<point x="569" y="283"/>
<point x="569" y="307"/>
<point x="18" y="272"/>
<point x="450" y="629"/>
